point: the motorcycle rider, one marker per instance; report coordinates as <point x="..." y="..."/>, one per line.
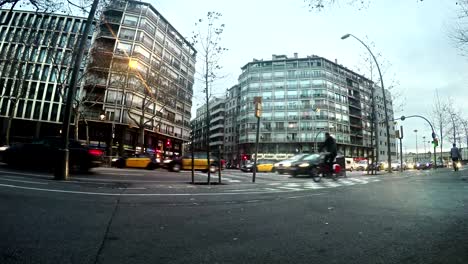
<point x="455" y="155"/>
<point x="330" y="146"/>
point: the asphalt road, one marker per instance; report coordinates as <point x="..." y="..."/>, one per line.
<point x="127" y="217"/>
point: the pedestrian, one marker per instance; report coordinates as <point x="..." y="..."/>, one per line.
<point x="455" y="155"/>
<point x="330" y="146"/>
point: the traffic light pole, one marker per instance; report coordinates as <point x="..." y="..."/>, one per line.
<point x="433" y="133"/>
<point x="400" y="137"/>
<point x="258" y="113"/>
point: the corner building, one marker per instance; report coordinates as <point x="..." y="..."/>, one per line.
<point x="141" y="74"/>
<point x="302" y="99"/>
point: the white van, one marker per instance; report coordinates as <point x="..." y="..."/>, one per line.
<point x="350" y="164"/>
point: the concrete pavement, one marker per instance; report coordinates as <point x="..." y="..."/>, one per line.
<point x="414" y="218"/>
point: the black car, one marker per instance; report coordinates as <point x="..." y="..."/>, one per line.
<point x="44" y="153"/>
<point x="423" y="165"/>
<point x="282" y="166"/>
<point x="304" y="165"/>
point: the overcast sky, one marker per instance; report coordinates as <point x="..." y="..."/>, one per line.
<point x="412" y="36"/>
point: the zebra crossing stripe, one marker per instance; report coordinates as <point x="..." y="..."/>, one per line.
<point x="358" y="180"/>
<point x="347" y="182"/>
<point x="331" y="184"/>
<point x="289" y="188"/>
<point x="293" y="185"/>
<point x="314" y="187"/>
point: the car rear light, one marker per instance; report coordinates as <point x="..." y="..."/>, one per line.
<point x="96" y="152"/>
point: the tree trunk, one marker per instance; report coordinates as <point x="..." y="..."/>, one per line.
<point x="207" y="118"/>
<point x="141" y="138"/>
<point x="8" y="129"/>
<point x="87" y="132"/>
<point x="11" y="114"/>
<point x="77" y="124"/>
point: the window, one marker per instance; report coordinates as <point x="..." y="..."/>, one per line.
<point x="128" y="34"/>
<point x="45" y="73"/>
<point x="130" y="20"/>
<point x="124" y="48"/>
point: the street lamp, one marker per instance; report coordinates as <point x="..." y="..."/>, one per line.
<point x="416" y="131"/>
<point x="424" y="142"/>
<point x="389" y="156"/>
<point x="133" y="64"/>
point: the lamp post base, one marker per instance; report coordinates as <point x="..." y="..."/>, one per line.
<point x="62" y="168"/>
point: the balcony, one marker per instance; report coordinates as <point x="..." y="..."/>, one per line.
<point x="105" y="33"/>
<point x="111" y="20"/>
<point x="217" y="143"/>
<point x="116" y="5"/>
<point x="213" y="136"/>
<point x="216" y="127"/>
<point x="218" y="118"/>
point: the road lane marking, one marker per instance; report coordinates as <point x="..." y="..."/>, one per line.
<point x="5" y="179"/>
<point x="26" y="174"/>
<point x="143" y="194"/>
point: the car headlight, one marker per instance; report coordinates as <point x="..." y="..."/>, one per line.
<point x="303" y="165"/>
<point x="276" y="165"/>
<point x="3" y="148"/>
<point x="287" y="164"/>
<point x="115" y="159"/>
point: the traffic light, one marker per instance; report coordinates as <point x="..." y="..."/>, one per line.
<point x="435" y="142"/>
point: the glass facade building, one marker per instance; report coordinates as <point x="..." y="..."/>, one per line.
<point x="36" y="53"/>
<point x="302" y="99"/>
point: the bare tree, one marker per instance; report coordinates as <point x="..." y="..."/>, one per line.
<point x="440" y="118"/>
<point x="207" y="39"/>
<point x="459" y="32"/>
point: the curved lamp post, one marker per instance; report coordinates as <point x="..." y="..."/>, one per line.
<point x="389" y="156"/>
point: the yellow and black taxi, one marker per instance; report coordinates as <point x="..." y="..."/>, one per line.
<point x="200" y="163"/>
<point x="138" y="160"/>
<point x="262" y="166"/>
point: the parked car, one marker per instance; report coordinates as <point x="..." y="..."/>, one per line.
<point x="200" y="163"/>
<point x="262" y="166"/>
<point x="45" y="153"/>
<point x="138" y="160"/>
<point x="304" y="165"/>
<point x="423" y="165"/>
<point x="361" y="165"/>
<point x="396" y="166"/>
<point x="282" y="166"/>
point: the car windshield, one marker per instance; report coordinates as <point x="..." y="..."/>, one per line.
<point x="311" y="157"/>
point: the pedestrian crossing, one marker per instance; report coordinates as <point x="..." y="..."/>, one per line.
<point x="271" y="182"/>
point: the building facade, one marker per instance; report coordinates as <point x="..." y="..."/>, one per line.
<point x="136" y="80"/>
<point x="140" y="81"/>
<point x="302" y="99"/>
<point x="216" y="129"/>
<point x="381" y="132"/>
<point x="36" y="53"/>
<point x="231" y="127"/>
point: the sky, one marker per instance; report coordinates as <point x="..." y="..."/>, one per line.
<point x="412" y="37"/>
